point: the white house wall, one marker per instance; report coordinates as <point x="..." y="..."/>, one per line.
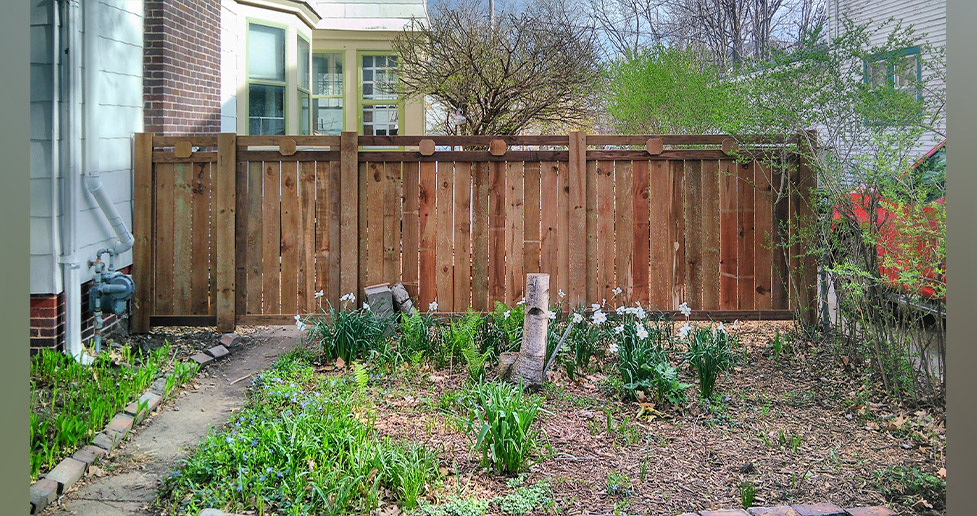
<point x="231" y="40"/>
<point x="118" y="117"/>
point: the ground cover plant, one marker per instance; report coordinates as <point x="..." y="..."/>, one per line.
<point x="70" y="402"/>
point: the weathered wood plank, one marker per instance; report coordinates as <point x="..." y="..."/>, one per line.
<point x="781" y="214"/>
<point x="728" y="235"/>
<point x="763" y="253"/>
<point x="240" y="239"/>
<point x="624" y="227"/>
<point x="744" y="250"/>
<point x="200" y="240"/>
<point x="306" y="273"/>
<point x="374" y="231"/>
<point x="497" y="221"/>
<point x="577" y="184"/>
<point x="427" y="216"/>
<point x="532" y="246"/>
<point x="349" y="200"/>
<point x="253" y="253"/>
<point x="661" y="247"/>
<point x="363" y="193"/>
<point x="639" y="264"/>
<point x="462" y="274"/>
<point x="606" y="253"/>
<point x="322" y="247"/>
<point x="412" y="235"/>
<point x="806" y="217"/>
<point x="710" y="235"/>
<point x="182" y="240"/>
<point x="291" y="231"/>
<point x="225" y="193"/>
<point x="693" y="233"/>
<point x="677" y="235"/>
<point x="591" y="276"/>
<point x="549" y="207"/>
<point x="515" y="216"/>
<point x="271" y="239"/>
<point x="480" y="236"/>
<point x="142" y="230"/>
<point x="165" y="179"/>
<point x="392" y="218"/>
<point x="335" y="238"/>
<point x="562" y="232"/>
<point x="445" y="237"/>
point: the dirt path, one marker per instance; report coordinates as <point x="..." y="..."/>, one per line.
<point x="131" y="475"/>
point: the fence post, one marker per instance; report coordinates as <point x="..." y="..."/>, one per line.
<point x="349" y="236"/>
<point x="225" y="204"/>
<point x="142" y="230"/>
<point x="806" y="222"/>
<point x="577" y="183"/>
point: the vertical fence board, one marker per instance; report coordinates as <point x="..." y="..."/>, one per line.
<point x="323" y="223"/>
<point x="710" y="235"/>
<point x="271" y="239"/>
<point x="763" y="259"/>
<point x="693" y="232"/>
<point x="806" y="217"/>
<point x="577" y="183"/>
<point x="334" y="236"/>
<point x="164" y="238"/>
<point x="363" y="193"/>
<point x="548" y="222"/>
<point x="514" y="233"/>
<point x="411" y="200"/>
<point x="606" y="278"/>
<point x="445" y="237"/>
<point x="624" y="227"/>
<point x="225" y="193"/>
<point x="532" y="246"/>
<point x="728" y="235"/>
<point x="562" y="231"/>
<point x="201" y="268"/>
<point x="392" y="217"/>
<point x="290" y="234"/>
<point x="306" y="279"/>
<point x="181" y="238"/>
<point x="255" y="223"/>
<point x="745" y="249"/>
<point x="639" y="263"/>
<point x="480" y="236"/>
<point x="142" y="230"/>
<point x="591" y="248"/>
<point x="427" y="216"/>
<point x="349" y="200"/>
<point x="374" y="230"/>
<point x="781" y="212"/>
<point x="497" y="217"/>
<point x="676" y="234"/>
<point x="661" y="248"/>
<point x="462" y="230"/>
<point x="240" y="240"/>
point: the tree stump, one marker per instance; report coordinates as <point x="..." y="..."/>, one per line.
<point x="528" y="367"/>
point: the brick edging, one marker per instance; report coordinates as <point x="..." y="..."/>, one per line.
<point x="817" y="509"/>
<point x="72" y="469"/>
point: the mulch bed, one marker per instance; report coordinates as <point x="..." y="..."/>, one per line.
<point x="696" y="458"/>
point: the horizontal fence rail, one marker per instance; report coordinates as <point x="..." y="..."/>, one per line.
<point x="247" y="229"/>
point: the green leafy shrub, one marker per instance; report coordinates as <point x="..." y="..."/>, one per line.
<point x="460" y="336"/>
<point x="416" y="341"/>
<point x="502" y="331"/>
<point x="643" y="362"/>
<point x="711" y="354"/>
<point x="349" y="334"/>
<point x="500" y="418"/>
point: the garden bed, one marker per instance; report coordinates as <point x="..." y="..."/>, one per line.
<point x="787" y="425"/>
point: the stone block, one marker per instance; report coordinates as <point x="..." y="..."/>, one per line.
<point x="66" y="473"/>
<point x="218" y="352"/>
<point x="43" y="493"/>
<point x="202" y="358"/>
<point x="231" y="341"/>
<point x="780" y="510"/>
<point x="876" y="510"/>
<point x="819" y="509"/>
<point x="121" y="424"/>
<point x="89" y="454"/>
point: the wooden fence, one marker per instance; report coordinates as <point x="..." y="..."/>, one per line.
<point x="247" y="229"/>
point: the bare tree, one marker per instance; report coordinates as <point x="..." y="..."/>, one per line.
<point x="535" y="67"/>
<point x="627" y="26"/>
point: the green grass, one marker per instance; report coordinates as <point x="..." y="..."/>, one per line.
<point x="500" y="419"/>
<point x="303" y="444"/>
<point x="711" y="354"/>
<point x="70" y="403"/>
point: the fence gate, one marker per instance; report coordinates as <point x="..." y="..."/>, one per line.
<point x="247" y="229"/>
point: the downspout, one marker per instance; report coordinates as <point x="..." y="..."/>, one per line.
<point x="71" y="177"/>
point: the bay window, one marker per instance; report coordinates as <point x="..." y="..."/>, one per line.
<point x="266" y="79"/>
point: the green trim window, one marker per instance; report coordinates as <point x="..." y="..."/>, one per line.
<point x="266" y="79"/>
<point x="381" y="109"/>
<point x="901" y="70"/>
<point x="304" y="84"/>
<point x="327" y="93"/>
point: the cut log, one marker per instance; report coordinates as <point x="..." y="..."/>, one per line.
<point x="402" y="301"/>
<point x="528" y="368"/>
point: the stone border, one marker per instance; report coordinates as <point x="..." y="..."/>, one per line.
<point x="817" y="509"/>
<point x="72" y="469"/>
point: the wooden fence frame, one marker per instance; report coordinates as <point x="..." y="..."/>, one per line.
<point x="228" y="155"/>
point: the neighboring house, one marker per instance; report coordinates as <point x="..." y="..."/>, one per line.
<point x="928" y="19"/>
<point x="181" y="67"/>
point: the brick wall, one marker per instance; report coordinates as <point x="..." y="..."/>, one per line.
<point x="181" y="65"/>
<point x="48" y="314"/>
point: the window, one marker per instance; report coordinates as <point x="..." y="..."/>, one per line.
<point x="327" y="93"/>
<point x="900" y="71"/>
<point x="381" y="108"/>
<point x="303" y="84"/>
<point x="266" y="79"/>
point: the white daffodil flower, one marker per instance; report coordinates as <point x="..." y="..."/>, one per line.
<point x="617" y="290"/>
<point x="562" y="293"/>
<point x="319" y="294"/>
<point x="550" y="314"/>
<point x="684" y="331"/>
<point x="735" y="326"/>
<point x="577" y="318"/>
<point x="366" y="306"/>
<point x="721" y="328"/>
<point x="618" y="329"/>
<point x="595" y="307"/>
<point x="521" y="302"/>
<point x="299" y="323"/>
<point x="684" y="308"/>
<point x="432" y="306"/>
<point x="599" y="317"/>
<point x="642" y="331"/>
<point x="612" y="347"/>
<point x="506" y="314"/>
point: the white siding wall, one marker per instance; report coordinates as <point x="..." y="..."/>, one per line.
<point x="119" y="115"/>
<point x="231" y="41"/>
<point x="928" y="19"/>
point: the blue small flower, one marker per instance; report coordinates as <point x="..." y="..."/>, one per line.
<point x="261" y="478"/>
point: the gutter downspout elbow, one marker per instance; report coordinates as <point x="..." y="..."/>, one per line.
<point x="93" y="183"/>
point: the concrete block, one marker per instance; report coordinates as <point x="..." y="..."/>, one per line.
<point x="724" y="512"/>
<point x="105" y="441"/>
<point x="152" y="401"/>
<point x="877" y="510"/>
<point x="218" y="352"/>
<point x="780" y="510"/>
<point x="43" y="493"/>
<point x="66" y="473"/>
<point x="819" y="509"/>
<point x="121" y="424"/>
<point x="89" y="454"/>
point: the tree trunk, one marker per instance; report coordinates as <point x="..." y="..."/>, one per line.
<point x="528" y="368"/>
